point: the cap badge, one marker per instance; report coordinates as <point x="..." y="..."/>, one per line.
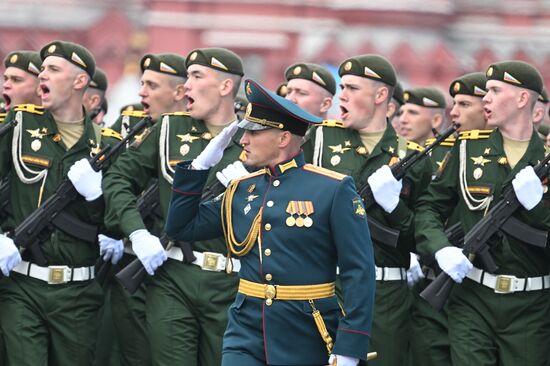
<point x="147" y="62"/>
<point x="371" y="73"/>
<point x="347" y="66"/>
<point x="78" y="60"/>
<point x="13" y="59"/>
<point x="248" y="90"/>
<point x="217" y="63"/>
<point x="32" y="68"/>
<point x="429" y="102"/>
<point x="509" y="78"/>
<point x="297" y="70"/>
<point x="193" y="56"/>
<point x="490" y="71"/>
<point x="93" y="84"/>
<point x="52" y="48"/>
<point x="406" y="96"/>
<point x="479" y="91"/>
<point x="166" y="68"/>
<point x="456" y="87"/>
<point x="318" y="79"/>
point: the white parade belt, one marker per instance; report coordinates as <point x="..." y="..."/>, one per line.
<point x="506" y="284"/>
<point x="55" y="275"/>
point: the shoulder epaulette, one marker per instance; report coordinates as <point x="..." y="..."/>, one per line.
<point x="252" y="175"/>
<point x="177" y="114"/>
<point x="475" y="134"/>
<point x="108" y="132"/>
<point x="332" y="123"/>
<point x="324" y="171"/>
<point x="449" y="141"/>
<point x="414" y="146"/>
<point x="138" y="114"/>
<point x="31" y="108"/>
<point x="2" y="117"/>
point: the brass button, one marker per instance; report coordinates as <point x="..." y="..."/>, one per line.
<point x="267" y="226"/>
<point x="268" y="302"/>
<point x="268" y="277"/>
<point x="269" y="203"/>
<point x="276" y="183"/>
<point x="267" y="252"/>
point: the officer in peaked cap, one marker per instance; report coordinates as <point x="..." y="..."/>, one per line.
<point x="481" y="166"/>
<point x="21" y="78"/>
<point x="277" y="300"/>
<point x="311" y="87"/>
<point x="422" y="113"/>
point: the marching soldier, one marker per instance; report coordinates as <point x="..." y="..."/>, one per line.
<point x="363" y="146"/>
<point x="21" y="78"/>
<point x="187" y="298"/>
<point x="279" y="220"/>
<point x="49" y="314"/>
<point x="487" y="317"/>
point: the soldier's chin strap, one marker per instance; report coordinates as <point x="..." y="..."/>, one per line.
<point x="473" y="203"/>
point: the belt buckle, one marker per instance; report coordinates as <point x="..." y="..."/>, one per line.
<point x="210" y="261"/>
<point x="270" y="292"/>
<point x="57" y="275"/>
<point x="504" y="284"/>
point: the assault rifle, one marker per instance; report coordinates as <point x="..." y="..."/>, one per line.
<point x="6" y="127"/>
<point x="27" y="235"/>
<point x="475" y="241"/>
<point x="379" y="231"/>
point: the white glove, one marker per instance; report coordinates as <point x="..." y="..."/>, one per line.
<point x="86" y="180"/>
<point x="9" y="255"/>
<point x="232" y="171"/>
<point x="528" y="187"/>
<point x="385" y="188"/>
<point x="110" y="248"/>
<point x="213" y="152"/>
<point x="148" y="249"/>
<point x="453" y="262"/>
<point x="414" y="273"/>
<point x="343" y="360"/>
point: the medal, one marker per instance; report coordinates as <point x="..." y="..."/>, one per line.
<point x="335" y="160"/>
<point x="300" y="221"/>
<point x="184" y="149"/>
<point x="478" y="172"/>
<point x="290" y="221"/>
<point x="308" y="221"/>
<point x="36" y="145"/>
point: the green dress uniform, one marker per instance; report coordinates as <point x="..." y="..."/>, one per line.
<point x="186" y="304"/>
<point x="486" y="327"/>
<point x="342" y="150"/>
<point x="54" y="322"/>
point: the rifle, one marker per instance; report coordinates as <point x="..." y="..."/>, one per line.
<point x="379" y="231"/>
<point x="475" y="241"/>
<point x="131" y="276"/>
<point x="51" y="212"/>
<point x="5" y="207"/>
<point x="6" y="127"/>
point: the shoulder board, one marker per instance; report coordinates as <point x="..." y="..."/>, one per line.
<point x="323" y="171"/>
<point x="139" y="114"/>
<point x="475" y="134"/>
<point x="31" y="108"/>
<point x="177" y="114"/>
<point x="414" y="146"/>
<point x="108" y="132"/>
<point x="332" y="123"/>
<point x="429" y="142"/>
<point x="449" y="141"/>
<point x="2" y="117"/>
<point x="252" y="175"/>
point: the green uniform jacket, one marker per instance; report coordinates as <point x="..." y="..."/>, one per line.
<point x="41" y="149"/>
<point x="487" y="174"/>
<point x="154" y="154"/>
<point x="343" y="151"/>
<point x="284" y="332"/>
<point x="440" y="153"/>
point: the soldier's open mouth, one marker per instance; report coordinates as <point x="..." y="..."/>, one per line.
<point x="145" y="106"/>
<point x="343" y="112"/>
<point x="190" y="102"/>
<point x="7" y="99"/>
<point x="487" y="112"/>
<point x="45" y="90"/>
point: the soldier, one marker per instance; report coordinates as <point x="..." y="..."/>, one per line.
<point x="394" y="106"/>
<point x="94" y="97"/>
<point x="187" y="298"/>
<point x="21" y="78"/>
<point x="281" y="90"/>
<point x="487" y="317"/>
<point x="363" y="145"/>
<point x="422" y="113"/>
<point x="311" y="87"/>
<point x="283" y="314"/>
<point x="49" y="314"/>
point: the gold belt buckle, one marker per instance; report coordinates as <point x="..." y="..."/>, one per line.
<point x="210" y="261"/>
<point x="270" y="292"/>
<point x="504" y="284"/>
<point x="57" y="275"/>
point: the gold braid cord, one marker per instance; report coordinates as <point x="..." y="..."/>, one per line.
<point x="234" y="247"/>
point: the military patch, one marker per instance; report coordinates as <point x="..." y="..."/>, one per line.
<point x="78" y="60"/>
<point x="167" y="68"/>
<point x="318" y="79"/>
<point x="138" y="139"/>
<point x="369" y="72"/>
<point x="358" y="208"/>
<point x="45" y="163"/>
<point x="217" y="63"/>
<point x="479" y="91"/>
<point x="508" y="77"/>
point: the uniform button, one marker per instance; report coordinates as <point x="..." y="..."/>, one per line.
<point x="268" y="277"/>
<point x="267" y="252"/>
<point x="276" y="183"/>
<point x="268" y="302"/>
<point x="267" y="226"/>
<point x="269" y="203"/>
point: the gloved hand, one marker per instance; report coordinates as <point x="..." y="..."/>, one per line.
<point x="232" y="171"/>
<point x="385" y="188"/>
<point x="453" y="262"/>
<point x="9" y="255"/>
<point x="528" y="187"/>
<point x="213" y="152"/>
<point x="148" y="249"/>
<point x="86" y="180"/>
<point x="110" y="248"/>
<point x="342" y="360"/>
<point x="414" y="273"/>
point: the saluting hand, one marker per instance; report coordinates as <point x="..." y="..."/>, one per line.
<point x="213" y="152"/>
